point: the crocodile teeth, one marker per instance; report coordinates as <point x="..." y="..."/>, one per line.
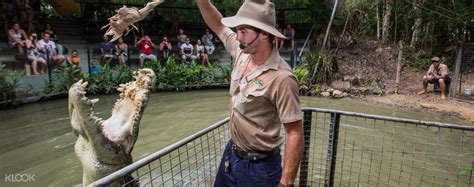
<point x="84" y="85"/>
<point x="94" y="101"/>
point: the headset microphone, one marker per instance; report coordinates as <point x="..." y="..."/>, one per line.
<point x="243" y="46"/>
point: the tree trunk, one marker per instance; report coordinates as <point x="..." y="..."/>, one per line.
<point x="399" y="66"/>
<point x="378" y="23"/>
<point x="386" y="21"/>
<point x="416" y="27"/>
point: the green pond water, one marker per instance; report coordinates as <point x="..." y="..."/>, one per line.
<point x="37" y="139"/>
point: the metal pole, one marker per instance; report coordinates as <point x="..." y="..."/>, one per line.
<point x="307" y="142"/>
<point x="49" y="68"/>
<point x="329" y="25"/>
<point x="128" y="59"/>
<point x="332" y="149"/>
<point x="89" y="60"/>
<point x="292" y="58"/>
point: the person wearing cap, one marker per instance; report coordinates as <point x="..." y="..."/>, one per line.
<point x="437" y="74"/>
<point x="165" y="48"/>
<point x="264" y="97"/>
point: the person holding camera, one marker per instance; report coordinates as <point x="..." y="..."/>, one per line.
<point x="165" y="48"/>
<point x="121" y="49"/>
<point x="146" y="50"/>
<point x="201" y="53"/>
<point x="437" y="74"/>
<point x="33" y="54"/>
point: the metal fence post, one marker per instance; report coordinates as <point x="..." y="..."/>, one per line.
<point x="332" y="148"/>
<point x="89" y="61"/>
<point x="48" y="62"/>
<point x="307" y="141"/>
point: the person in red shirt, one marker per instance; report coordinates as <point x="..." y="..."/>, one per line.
<point x="146" y="49"/>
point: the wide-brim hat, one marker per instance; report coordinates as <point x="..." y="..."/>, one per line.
<point x="256" y="13"/>
<point x="435" y="59"/>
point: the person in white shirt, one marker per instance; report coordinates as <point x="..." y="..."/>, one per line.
<point x="187" y="51"/>
<point x="49" y="46"/>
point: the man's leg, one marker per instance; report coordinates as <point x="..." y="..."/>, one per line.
<point x="224" y="177"/>
<point x="425" y="84"/>
<point x="265" y="172"/>
<point x="141" y="62"/>
<point x="442" y="86"/>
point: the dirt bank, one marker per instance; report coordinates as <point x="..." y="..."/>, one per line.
<point x="368" y="60"/>
<point x="431" y="101"/>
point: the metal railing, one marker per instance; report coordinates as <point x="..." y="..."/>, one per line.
<point x="341" y="149"/>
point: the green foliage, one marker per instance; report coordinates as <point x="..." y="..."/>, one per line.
<point x="421" y="63"/>
<point x="321" y="66"/>
<point x="182" y="75"/>
<point x="62" y="79"/>
<point x="9" y="83"/>
<point x="108" y="79"/>
<point x="302" y="74"/>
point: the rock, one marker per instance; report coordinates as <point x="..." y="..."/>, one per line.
<point x="427" y="105"/>
<point x="348" y="78"/>
<point x="379" y="50"/>
<point x="337" y="94"/>
<point x="341" y="85"/>
<point x="330" y="90"/>
<point x="325" y="94"/>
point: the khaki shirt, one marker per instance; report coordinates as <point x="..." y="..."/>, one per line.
<point x="441" y="72"/>
<point x="261" y="101"/>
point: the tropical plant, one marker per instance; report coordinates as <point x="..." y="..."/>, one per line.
<point x="302" y="74"/>
<point x="179" y="76"/>
<point x="108" y="79"/>
<point x="63" y="78"/>
<point x="320" y="65"/>
<point x="9" y="83"/>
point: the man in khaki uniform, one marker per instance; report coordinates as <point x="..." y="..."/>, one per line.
<point x="264" y="97"/>
<point x="437" y="74"/>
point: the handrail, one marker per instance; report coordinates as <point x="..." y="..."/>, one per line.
<point x="305" y="43"/>
<point x="157" y="155"/>
<point x="150" y="158"/>
<point x="395" y="119"/>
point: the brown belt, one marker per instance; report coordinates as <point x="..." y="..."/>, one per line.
<point x="253" y="155"/>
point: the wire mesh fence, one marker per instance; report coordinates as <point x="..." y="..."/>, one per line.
<point x="463" y="85"/>
<point x="341" y="149"/>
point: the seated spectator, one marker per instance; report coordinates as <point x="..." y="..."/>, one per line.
<point x="208" y="44"/>
<point x="8" y="17"/>
<point x="165" y="48"/>
<point x="201" y="53"/>
<point x="26" y="18"/>
<point x="38" y="63"/>
<point x="181" y="37"/>
<point x="49" y="50"/>
<point x="187" y="51"/>
<point x="106" y="51"/>
<point x="95" y="69"/>
<point x="48" y="28"/>
<point x="175" y="20"/>
<point x="437" y="74"/>
<point x="290" y="35"/>
<point x="17" y="37"/>
<point x="75" y="59"/>
<point x="278" y="41"/>
<point x="146" y="50"/>
<point x="121" y="50"/>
